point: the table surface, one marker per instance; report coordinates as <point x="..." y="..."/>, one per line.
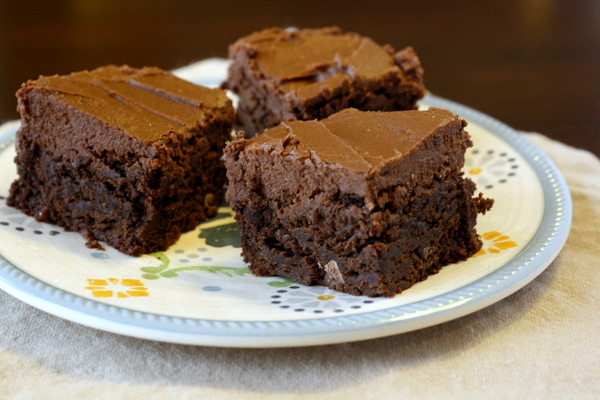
<point x="531" y="64"/>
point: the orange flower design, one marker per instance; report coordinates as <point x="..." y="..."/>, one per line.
<point x="494" y="242"/>
<point x="117" y="287"/>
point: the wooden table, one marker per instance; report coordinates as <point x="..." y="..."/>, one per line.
<point x="532" y="64"/>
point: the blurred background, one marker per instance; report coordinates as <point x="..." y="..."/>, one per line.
<point x="533" y="64"/>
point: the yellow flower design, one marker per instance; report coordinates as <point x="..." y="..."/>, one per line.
<point x="117" y="287"/>
<point x="490" y="168"/>
<point x="494" y="242"/>
<point x="325" y="297"/>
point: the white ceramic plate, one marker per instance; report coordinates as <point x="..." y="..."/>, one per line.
<point x="201" y="292"/>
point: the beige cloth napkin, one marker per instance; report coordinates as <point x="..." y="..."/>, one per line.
<point x="540" y="343"/>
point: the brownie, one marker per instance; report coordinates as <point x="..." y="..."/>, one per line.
<point x="132" y="157"/>
<point x="282" y="75"/>
<point x="367" y="203"/>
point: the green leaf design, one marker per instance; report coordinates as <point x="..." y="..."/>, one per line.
<point x="162" y="257"/>
<point x="162" y="265"/>
<point x="222" y="235"/>
<point x="152" y="270"/>
<point x="243" y="271"/>
<point x="170" y="274"/>
<point x="284" y="283"/>
<point x="162" y="270"/>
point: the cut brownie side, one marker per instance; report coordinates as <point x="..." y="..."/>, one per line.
<point x="309" y="74"/>
<point x="126" y="156"/>
<point x="362" y="202"/>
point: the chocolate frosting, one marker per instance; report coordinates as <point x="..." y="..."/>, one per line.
<point x="357" y="140"/>
<point x="124" y="96"/>
<point x="309" y="60"/>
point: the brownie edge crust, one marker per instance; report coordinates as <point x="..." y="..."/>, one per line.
<point x="127" y="156"/>
<point x="366" y="203"/>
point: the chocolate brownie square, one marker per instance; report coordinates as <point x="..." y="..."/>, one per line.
<point x="367" y="203"/>
<point x="128" y="156"/>
<point x="281" y="75"/>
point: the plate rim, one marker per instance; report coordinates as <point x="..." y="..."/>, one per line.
<point x="525" y="266"/>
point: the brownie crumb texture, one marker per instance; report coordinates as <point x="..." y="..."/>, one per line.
<point x="132" y="157"/>
<point x="367" y="203"/>
<point x="282" y="75"/>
